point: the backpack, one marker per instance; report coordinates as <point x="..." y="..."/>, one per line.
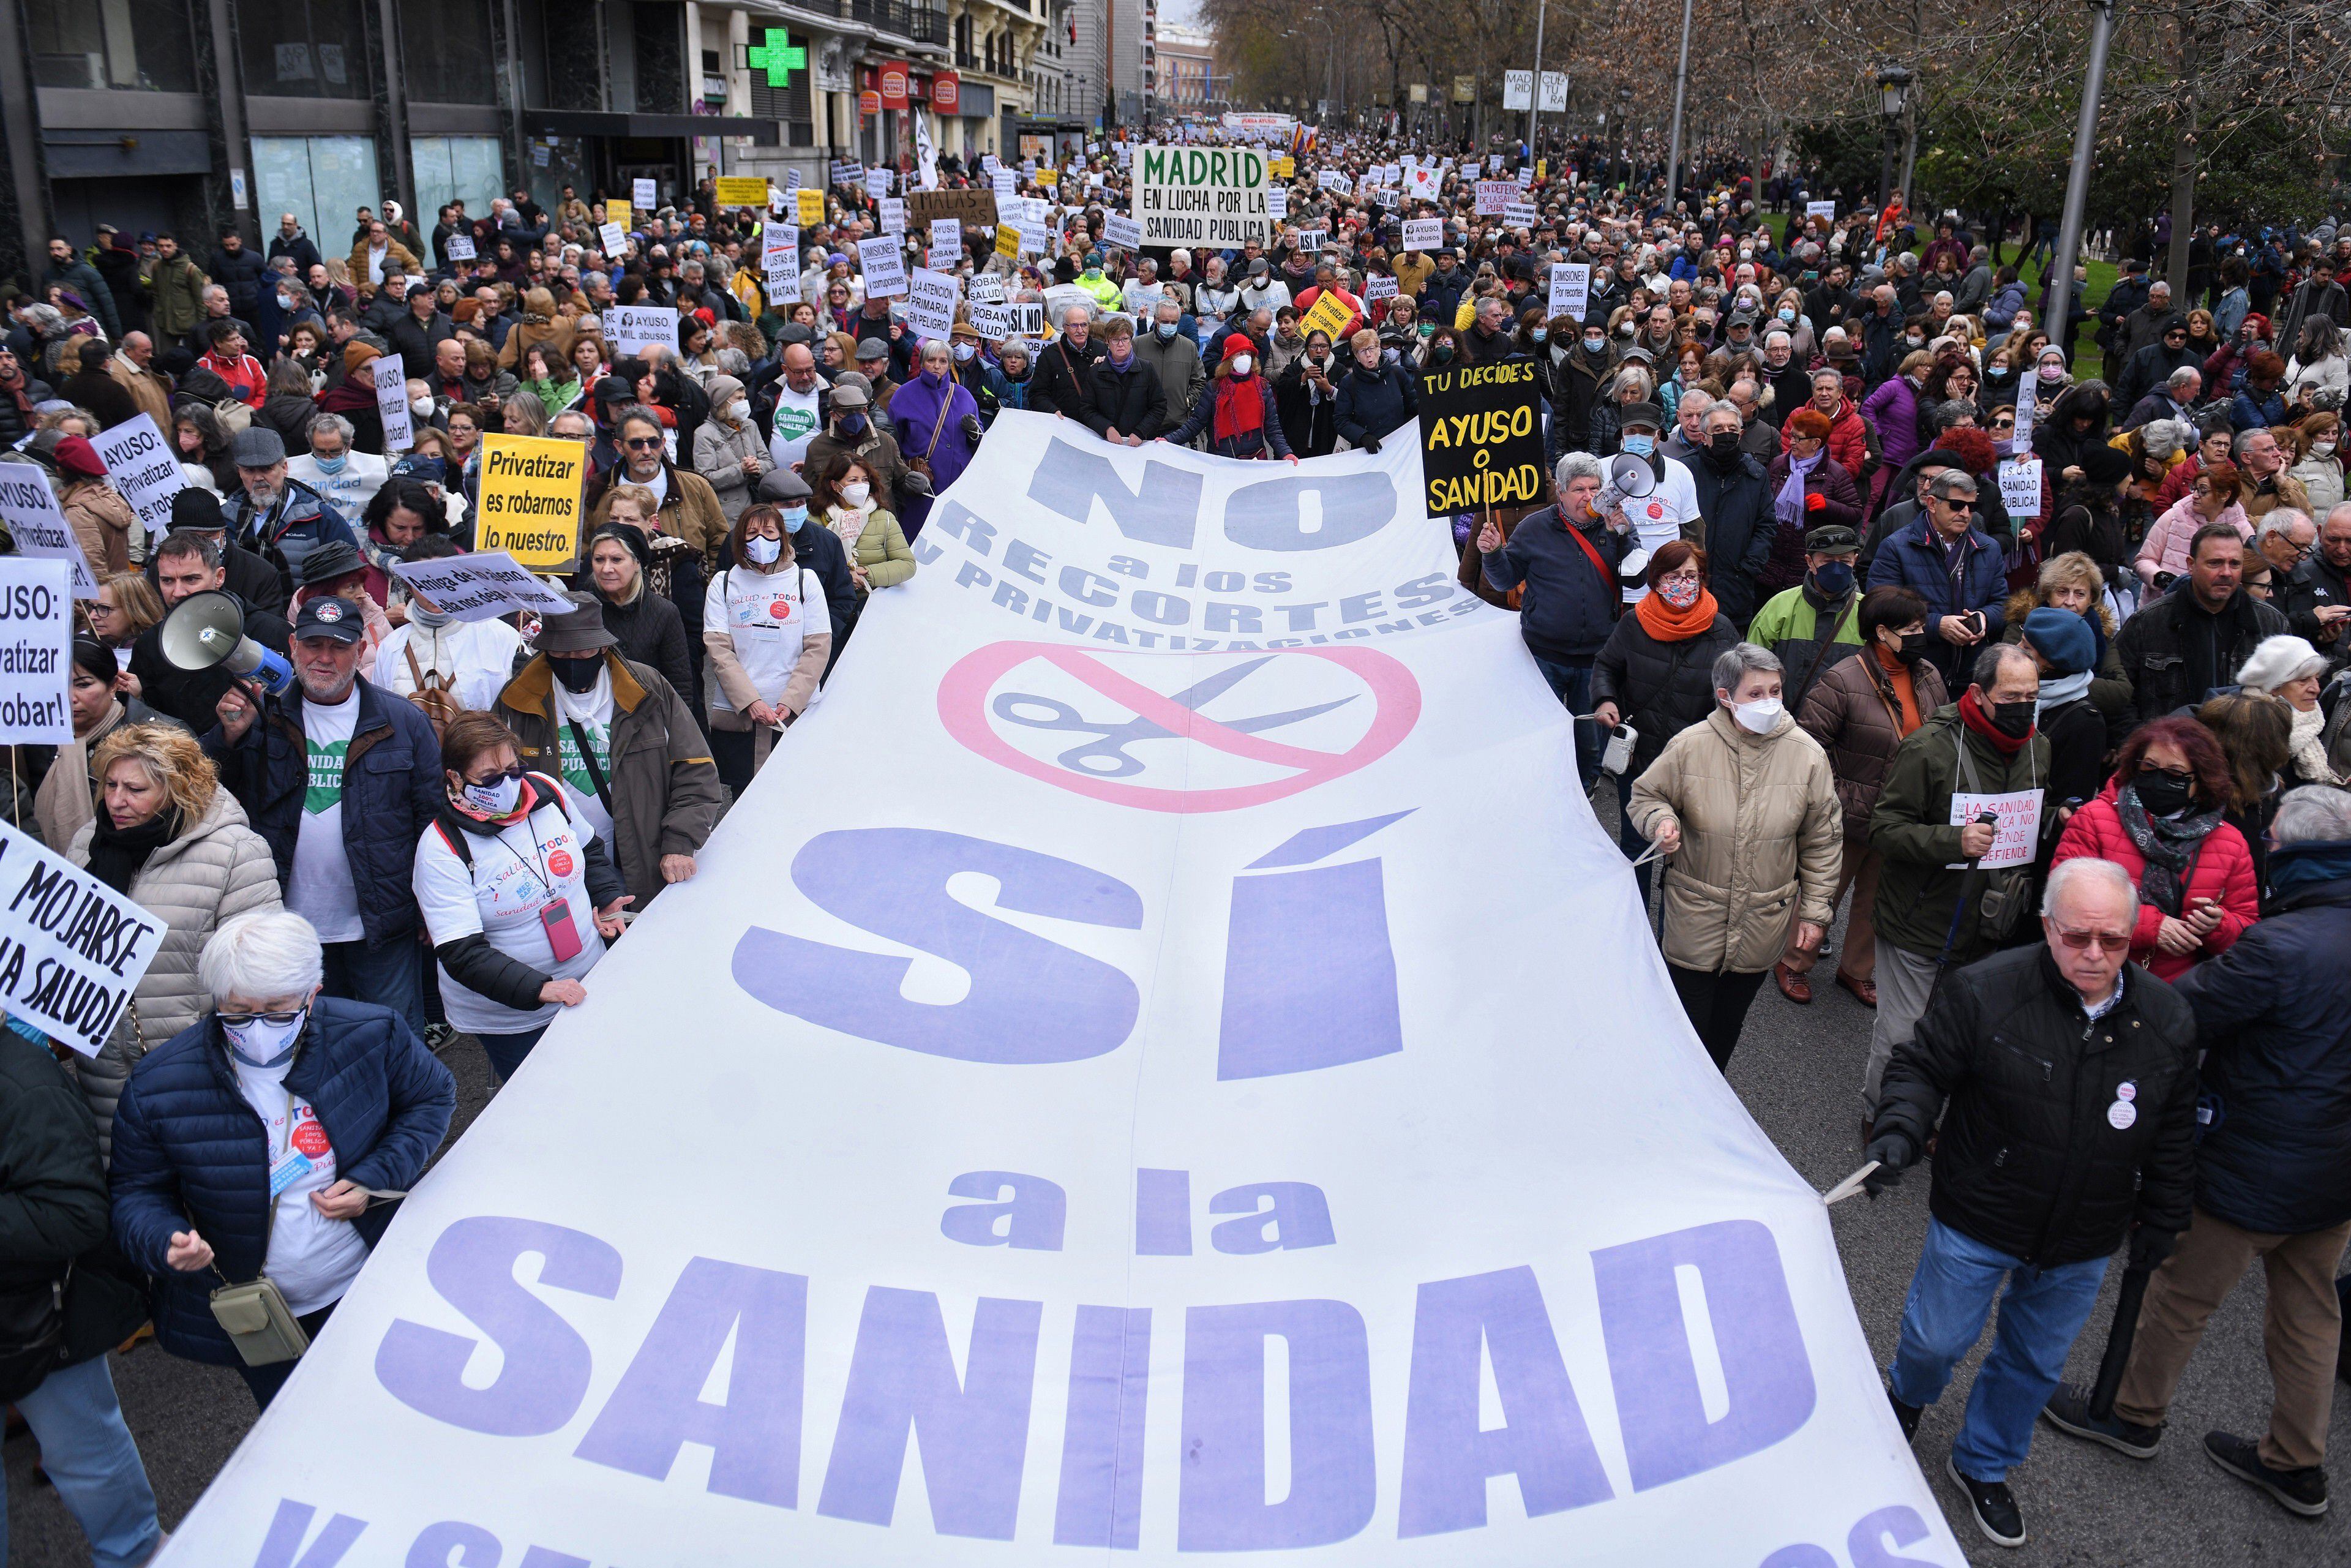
<point x="435" y="694"/>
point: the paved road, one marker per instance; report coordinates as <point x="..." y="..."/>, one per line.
<point x="1798" y="1069"/>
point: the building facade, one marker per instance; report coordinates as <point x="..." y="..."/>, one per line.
<point x="197" y="115"/>
<point x="1185" y="79"/>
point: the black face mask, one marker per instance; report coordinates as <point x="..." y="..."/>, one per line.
<point x="1913" y="648"/>
<point x="576" y="672"/>
<point x="2013" y="720"/>
<point x="2161" y="793"/>
<point x="1723" y="445"/>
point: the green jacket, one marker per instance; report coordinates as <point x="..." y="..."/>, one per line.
<point x="1911" y="830"/>
<point x="1790" y="626"/>
<point x="177" y="289"/>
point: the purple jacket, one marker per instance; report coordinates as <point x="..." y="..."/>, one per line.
<point x="1892" y="411"/>
<point x="915" y="411"/>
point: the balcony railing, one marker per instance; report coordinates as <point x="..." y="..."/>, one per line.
<point x="918" y="22"/>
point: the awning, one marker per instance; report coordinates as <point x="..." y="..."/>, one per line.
<point x="600" y="122"/>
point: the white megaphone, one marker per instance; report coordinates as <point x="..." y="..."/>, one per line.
<point x="208" y="629"/>
<point x="1631" y="476"/>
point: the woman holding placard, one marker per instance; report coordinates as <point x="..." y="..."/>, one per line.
<point x="168" y="837"/>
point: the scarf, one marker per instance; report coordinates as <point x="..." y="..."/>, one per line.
<point x="1240" y="407"/>
<point x="2170" y="845"/>
<point x="2310" y="747"/>
<point x="1790" y="503"/>
<point x="2061" y="689"/>
<point x="117" y="855"/>
<point x="526" y="802"/>
<point x="1667" y="625"/>
<point x="1972" y="715"/>
<point x="2294" y="867"/>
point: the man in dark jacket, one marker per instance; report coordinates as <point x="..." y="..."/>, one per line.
<point x="1574" y="592"/>
<point x="239" y="270"/>
<point x="1930" y="915"/>
<point x="69" y="269"/>
<point x="279" y="516"/>
<point x="92" y="388"/>
<point x="289" y="240"/>
<point x="2272" y="1169"/>
<point x="53" y="1237"/>
<point x="2318" y="595"/>
<point x="1124" y="401"/>
<point x="1735" y="504"/>
<point x="342" y="778"/>
<point x="2196" y="636"/>
<point x="1573" y="382"/>
<point x="420" y="329"/>
<point x="2066" y="1093"/>
<point x="1062" y="383"/>
<point x="1957" y="567"/>
<point x="188" y="562"/>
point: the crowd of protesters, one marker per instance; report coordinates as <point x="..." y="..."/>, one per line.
<point x="1893" y="551"/>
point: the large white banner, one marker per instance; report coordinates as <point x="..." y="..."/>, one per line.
<point x="1164" y="1047"/>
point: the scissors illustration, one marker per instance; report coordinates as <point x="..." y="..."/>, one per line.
<point x="1105" y="756"/>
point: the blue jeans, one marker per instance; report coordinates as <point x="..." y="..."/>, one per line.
<point x="1628" y="837"/>
<point x="1572" y="685"/>
<point x="389" y="974"/>
<point x="88" y="1453"/>
<point x="2040" y="1316"/>
<point x="506" y="1052"/>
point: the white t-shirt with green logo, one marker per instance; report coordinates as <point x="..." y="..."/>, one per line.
<point x="794" y="425"/>
<point x="592" y="710"/>
<point x="321" y="890"/>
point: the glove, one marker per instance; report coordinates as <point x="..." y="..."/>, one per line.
<point x="1816" y="502"/>
<point x="914" y="483"/>
<point x="970" y="428"/>
<point x="2149" y="1246"/>
<point x="1894" y="1153"/>
<point x="1371" y="446"/>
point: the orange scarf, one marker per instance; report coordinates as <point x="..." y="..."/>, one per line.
<point x="1667" y="625"/>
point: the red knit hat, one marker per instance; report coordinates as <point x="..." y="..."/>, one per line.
<point x="74" y="454"/>
<point x="1236" y="345"/>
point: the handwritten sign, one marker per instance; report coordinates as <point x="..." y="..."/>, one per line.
<point x="884" y="267"/>
<point x="2016" y="838"/>
<point x="391" y="378"/>
<point x="1423" y="233"/>
<point x="144" y="470"/>
<point x="482" y="585"/>
<point x="931" y="300"/>
<point x="1571" y="289"/>
<point x="2020" y="488"/>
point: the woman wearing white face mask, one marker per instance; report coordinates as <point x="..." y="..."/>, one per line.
<point x="517" y="890"/>
<point x="869" y="534"/>
<point x="766" y="630"/>
<point x="269" y="1140"/>
<point x="1744" y="808"/>
<point x="729" y="449"/>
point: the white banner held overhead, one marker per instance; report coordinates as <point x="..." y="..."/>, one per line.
<point x="1423" y="233"/>
<point x="72" y="950"/>
<point x="35" y="520"/>
<point x="144" y="469"/>
<point x="630" y="328"/>
<point x="480" y="586"/>
<point x="391" y="379"/>
<point x="1202" y="195"/>
<point x="1154" y="1088"/>
<point x="36" y="651"/>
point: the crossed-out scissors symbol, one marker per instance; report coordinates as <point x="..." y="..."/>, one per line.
<point x="1105" y="756"/>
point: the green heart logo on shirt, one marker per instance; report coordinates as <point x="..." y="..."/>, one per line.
<point x="326" y="777"/>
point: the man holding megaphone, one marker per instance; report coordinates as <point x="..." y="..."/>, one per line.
<point x="189" y="563"/>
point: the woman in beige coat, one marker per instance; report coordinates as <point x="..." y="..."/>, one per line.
<point x="174" y="841"/>
<point x="1745" y="807"/>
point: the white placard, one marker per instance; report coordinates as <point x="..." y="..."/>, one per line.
<point x="931" y="299"/>
<point x="1277" y="202"/>
<point x="1006" y="183"/>
<point x="885" y="266"/>
<point x="145" y="470"/>
<point x="1571" y="289"/>
<point x="1123" y="231"/>
<point x="877" y="183"/>
<point x="614" y="239"/>
<point x="2018" y="836"/>
<point x="894" y="215"/>
<point x="1079" y="928"/>
<point x="629" y="328"/>
<point x="946" y="234"/>
<point x="1495" y="196"/>
<point x="987" y="285"/>
<point x="391" y="377"/>
<point x="642" y="196"/>
<point x="459" y="247"/>
<point x="780" y="247"/>
<point x="36" y="651"/>
<point x="1554" y="92"/>
<point x="993" y="322"/>
<point x="1517" y="91"/>
<point x="1335" y="180"/>
<point x="1473" y="168"/>
<point x="1520" y="215"/>
<point x="1378" y="286"/>
<point x="1526" y="176"/>
<point x="1312" y="240"/>
<point x="1423" y="233"/>
<point x="72" y="950"/>
<point x="1821" y="209"/>
<point x="2020" y="488"/>
<point x="480" y="587"/>
<point x="30" y="509"/>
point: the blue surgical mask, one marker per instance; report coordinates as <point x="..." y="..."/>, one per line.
<point x="1166" y="330"/>
<point x="330" y="464"/>
<point x="1539" y="333"/>
<point x="795" y="517"/>
<point x="1640" y="445"/>
<point x="264" y="1044"/>
<point x="1788" y="315"/>
<point x="852" y="424"/>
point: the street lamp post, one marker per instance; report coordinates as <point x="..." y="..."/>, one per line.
<point x="1893" y="95"/>
<point x="2057" y="283"/>
<point x="1681" y="85"/>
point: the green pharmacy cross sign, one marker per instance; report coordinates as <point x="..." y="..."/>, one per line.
<point x="778" y="57"/>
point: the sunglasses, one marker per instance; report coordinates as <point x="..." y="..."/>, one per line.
<point x="1957" y="506"/>
<point x="239" y="1021"/>
<point x="487" y="780"/>
<point x="644" y="442"/>
<point x="2081" y="941"/>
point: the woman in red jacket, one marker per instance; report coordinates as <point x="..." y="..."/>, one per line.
<point x="2159" y="819"/>
<point x="1848" y="436"/>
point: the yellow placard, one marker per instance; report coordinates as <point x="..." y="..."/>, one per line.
<point x="742" y="190"/>
<point x="1329" y="313"/>
<point x="1284" y="167"/>
<point x="1542" y="168"/>
<point x="811" y="206"/>
<point x="1008" y="239"/>
<point x="530" y="500"/>
<point x="618" y="212"/>
<point x="1049" y="177"/>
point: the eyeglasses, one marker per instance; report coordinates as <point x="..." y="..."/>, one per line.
<point x="1957" y="506"/>
<point x="643" y="443"/>
<point x="239" y="1021"/>
<point x="487" y="780"/>
<point x="2081" y="941"/>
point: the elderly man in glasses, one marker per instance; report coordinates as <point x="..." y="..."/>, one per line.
<point x="2066" y="1088"/>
